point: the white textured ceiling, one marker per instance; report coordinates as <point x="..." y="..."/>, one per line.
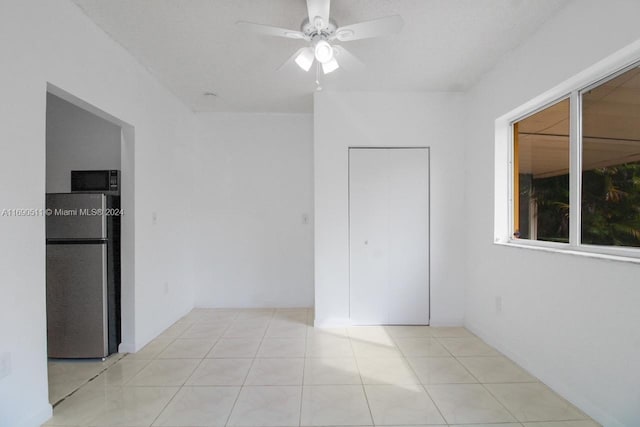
<point x="193" y="46"/>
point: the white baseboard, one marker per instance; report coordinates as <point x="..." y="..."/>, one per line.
<point x="37" y="417"/>
<point x="445" y="322"/>
<point x="346" y="322"/>
<point x="126" y="347"/>
<point x="133" y="347"/>
<point x="332" y="323"/>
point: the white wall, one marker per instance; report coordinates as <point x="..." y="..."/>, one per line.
<point x="571" y="320"/>
<point x="255" y="184"/>
<point x="52" y="41"/>
<point x="343" y="120"/>
<point x="77" y="140"/>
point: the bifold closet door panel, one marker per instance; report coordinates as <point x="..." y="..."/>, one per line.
<point x="369" y="221"/>
<point x="408" y="236"/>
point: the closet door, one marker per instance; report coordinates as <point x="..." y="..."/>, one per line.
<point x="389" y="235"/>
<point x="368" y="224"/>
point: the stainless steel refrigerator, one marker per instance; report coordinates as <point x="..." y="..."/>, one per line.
<point x="83" y="275"/>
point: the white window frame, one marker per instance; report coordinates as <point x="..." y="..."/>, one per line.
<point x="571" y="89"/>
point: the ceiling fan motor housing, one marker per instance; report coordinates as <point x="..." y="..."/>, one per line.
<point x="326" y="30"/>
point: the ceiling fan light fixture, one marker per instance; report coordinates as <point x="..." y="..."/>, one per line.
<point x="305" y="59"/>
<point x="330" y="66"/>
<point x="323" y="52"/>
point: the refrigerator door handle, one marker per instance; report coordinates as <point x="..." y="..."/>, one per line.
<point x="105" y="299"/>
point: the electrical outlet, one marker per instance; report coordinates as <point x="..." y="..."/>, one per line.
<point x="5" y="365"/>
<point x="498" y="304"/>
<point x="166" y="288"/>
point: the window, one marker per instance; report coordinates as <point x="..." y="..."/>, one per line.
<point x="541" y="175"/>
<point x="611" y="162"/>
<point x="576" y="168"/>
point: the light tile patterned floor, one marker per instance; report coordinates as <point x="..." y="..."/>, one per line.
<point x="68" y="375"/>
<point x="270" y="367"/>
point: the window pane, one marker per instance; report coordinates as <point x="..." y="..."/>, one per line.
<point x="541" y="175"/>
<point x="611" y="162"/>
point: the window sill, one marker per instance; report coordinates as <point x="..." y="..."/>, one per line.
<point x="572" y="251"/>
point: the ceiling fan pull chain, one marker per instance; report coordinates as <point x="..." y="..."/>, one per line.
<point x="318" y="87"/>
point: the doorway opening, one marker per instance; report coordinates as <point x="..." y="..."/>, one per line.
<point x="90" y="249"/>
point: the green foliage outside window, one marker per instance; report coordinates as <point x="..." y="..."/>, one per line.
<point x="610" y="206"/>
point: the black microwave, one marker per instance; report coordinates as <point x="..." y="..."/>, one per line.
<point x="96" y="181"/>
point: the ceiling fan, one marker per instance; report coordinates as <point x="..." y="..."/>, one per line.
<point x="321" y="32"/>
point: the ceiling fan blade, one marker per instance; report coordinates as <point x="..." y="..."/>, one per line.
<point x="375" y="28"/>
<point x="271" y="31"/>
<point x="319" y="8"/>
<point x="303" y="58"/>
<point x="347" y="60"/>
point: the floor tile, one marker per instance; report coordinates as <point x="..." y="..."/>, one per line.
<point x="297" y="316"/>
<point x="467" y="403"/>
<point x="534" y="402"/>
<point x="421" y="347"/>
<point x="199" y="406"/>
<point x="495" y="370"/>
<point x="211" y="316"/>
<point x="282" y="347"/>
<point x="327" y="332"/>
<point x="374" y="350"/>
<point x="270" y="368"/>
<point x="251" y="328"/>
<point x="581" y="423"/>
<point x="176" y="330"/>
<point x="467" y="346"/>
<point x="286" y="329"/>
<point x="122" y="371"/>
<point x="235" y="347"/>
<point x="440" y="370"/>
<point x="386" y="371"/>
<point x="79" y="408"/>
<point x="321" y="345"/>
<point x="151" y="350"/>
<point x="450" y="332"/>
<point x="220" y="372"/>
<point x="408" y="331"/>
<point x="319" y="371"/>
<point x="66" y="376"/>
<point x="487" y="425"/>
<point x="187" y="349"/>
<point x="112" y="406"/>
<point x="293" y="310"/>
<point x="370" y="334"/>
<point x="261" y="314"/>
<point x="330" y="405"/>
<point x="401" y="405"/>
<point x="276" y="372"/>
<point x="206" y="331"/>
<point x="164" y="372"/>
<point x="267" y="406"/>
